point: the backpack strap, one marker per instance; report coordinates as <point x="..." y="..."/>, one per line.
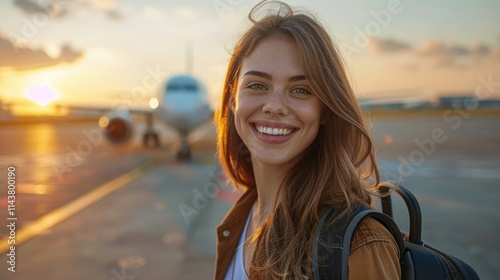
<point x="328" y="243"/>
<point x="327" y="252"/>
<point x="335" y="264"/>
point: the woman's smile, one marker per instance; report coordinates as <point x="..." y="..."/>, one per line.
<point x="273" y="133"/>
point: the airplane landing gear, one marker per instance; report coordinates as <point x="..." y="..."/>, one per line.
<point x="185" y="152"/>
<point x="150" y="133"/>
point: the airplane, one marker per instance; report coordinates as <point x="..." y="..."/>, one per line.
<point x="182" y="104"/>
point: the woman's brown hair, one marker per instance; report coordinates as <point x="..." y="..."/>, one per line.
<point x="333" y="170"/>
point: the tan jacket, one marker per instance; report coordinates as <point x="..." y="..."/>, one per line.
<point x="374" y="253"/>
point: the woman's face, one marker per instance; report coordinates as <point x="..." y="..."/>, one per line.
<point x="276" y="113"/>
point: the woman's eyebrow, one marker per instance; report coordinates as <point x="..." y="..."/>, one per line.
<point x="269" y="77"/>
<point x="258" y="74"/>
<point x="297" y="78"/>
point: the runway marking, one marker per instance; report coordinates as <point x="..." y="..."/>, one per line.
<point x="62" y="213"/>
<point x="35" y="189"/>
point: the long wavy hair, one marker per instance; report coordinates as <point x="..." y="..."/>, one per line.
<point x="334" y="170"/>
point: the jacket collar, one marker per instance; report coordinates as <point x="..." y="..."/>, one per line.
<point x="229" y="231"/>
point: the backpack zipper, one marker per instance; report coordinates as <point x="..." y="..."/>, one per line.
<point x="454" y="272"/>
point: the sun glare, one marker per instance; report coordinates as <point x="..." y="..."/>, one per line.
<point x="41" y="94"/>
<point x="153" y="103"/>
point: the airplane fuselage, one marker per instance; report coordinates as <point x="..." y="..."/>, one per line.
<point x="183" y="104"/>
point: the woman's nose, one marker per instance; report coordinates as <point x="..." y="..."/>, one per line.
<point x="275" y="103"/>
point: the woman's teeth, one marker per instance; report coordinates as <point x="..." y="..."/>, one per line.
<point x="273" y="131"/>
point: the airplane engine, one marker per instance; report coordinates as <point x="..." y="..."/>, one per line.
<point x="117" y="126"/>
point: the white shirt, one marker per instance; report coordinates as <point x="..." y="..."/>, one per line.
<point x="236" y="269"/>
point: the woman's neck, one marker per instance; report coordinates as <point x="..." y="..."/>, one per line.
<point x="268" y="179"/>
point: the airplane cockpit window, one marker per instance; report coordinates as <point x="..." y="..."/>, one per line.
<point x="183" y="88"/>
<point x="191" y="87"/>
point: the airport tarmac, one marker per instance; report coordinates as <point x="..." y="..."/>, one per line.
<point x="143" y="215"/>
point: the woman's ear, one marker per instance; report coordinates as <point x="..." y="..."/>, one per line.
<point x="231" y="103"/>
<point x="231" y="98"/>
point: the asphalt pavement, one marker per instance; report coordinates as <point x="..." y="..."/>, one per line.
<point x="135" y="213"/>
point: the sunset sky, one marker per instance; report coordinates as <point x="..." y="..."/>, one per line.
<point x="95" y="52"/>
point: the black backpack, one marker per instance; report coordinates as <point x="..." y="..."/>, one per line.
<point x="418" y="260"/>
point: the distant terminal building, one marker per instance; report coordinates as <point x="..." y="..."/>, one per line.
<point x="489" y="103"/>
<point x="418" y="103"/>
<point x="464" y="101"/>
<point x="457" y="101"/>
<point x="395" y="104"/>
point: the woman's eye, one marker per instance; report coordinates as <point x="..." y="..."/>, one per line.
<point x="257" y="87"/>
<point x="301" y="91"/>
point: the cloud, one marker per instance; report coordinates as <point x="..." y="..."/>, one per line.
<point x="388" y="45"/>
<point x="58" y="8"/>
<point x="108" y="7"/>
<point x="30" y="7"/>
<point x="442" y="54"/>
<point x="481" y="49"/>
<point x="434" y="52"/>
<point x="114" y="14"/>
<point x="436" y="48"/>
<point x="22" y="58"/>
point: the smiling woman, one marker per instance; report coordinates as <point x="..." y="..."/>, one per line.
<point x="293" y="137"/>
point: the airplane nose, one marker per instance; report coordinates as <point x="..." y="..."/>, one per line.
<point x="181" y="104"/>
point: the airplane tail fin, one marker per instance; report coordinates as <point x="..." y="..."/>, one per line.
<point x="189" y="57"/>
